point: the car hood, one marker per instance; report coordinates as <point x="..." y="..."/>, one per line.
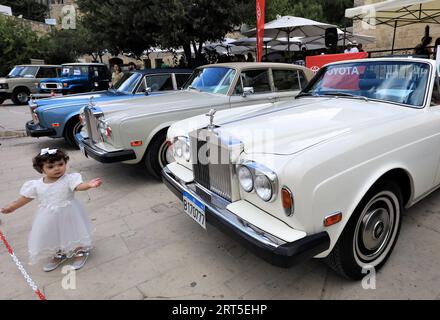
<point x="75" y="99"/>
<point x="289" y="128"/>
<point x="21" y="79"/>
<point x="162" y="103"/>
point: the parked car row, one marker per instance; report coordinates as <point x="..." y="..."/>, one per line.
<point x="59" y="117"/>
<point x="294" y="167"/>
<point x="131" y="132"/>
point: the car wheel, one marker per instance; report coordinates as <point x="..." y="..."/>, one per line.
<point x="21" y="96"/>
<point x="72" y="128"/>
<point x="158" y="155"/>
<point x="371" y="233"/>
<point x="2" y="100"/>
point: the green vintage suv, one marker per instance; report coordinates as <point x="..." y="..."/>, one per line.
<point x="23" y="80"/>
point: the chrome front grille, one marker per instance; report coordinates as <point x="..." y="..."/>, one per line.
<point x="92" y="125"/>
<point x="212" y="166"/>
<point x="221" y="183"/>
<point x="51" y="85"/>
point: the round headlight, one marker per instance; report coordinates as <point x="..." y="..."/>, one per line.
<point x="181" y="150"/>
<point x="178" y="150"/>
<point x="186" y="152"/>
<point x="263" y="187"/>
<point x="245" y="178"/>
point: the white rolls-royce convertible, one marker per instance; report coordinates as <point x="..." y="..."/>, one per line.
<point x="327" y="175"/>
<point x="135" y="131"/>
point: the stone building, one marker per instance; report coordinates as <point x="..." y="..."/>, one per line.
<point x="406" y="37"/>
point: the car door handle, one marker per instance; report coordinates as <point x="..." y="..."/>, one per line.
<point x="273" y="99"/>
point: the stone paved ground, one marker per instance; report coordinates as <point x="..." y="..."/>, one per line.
<point x="147" y="249"/>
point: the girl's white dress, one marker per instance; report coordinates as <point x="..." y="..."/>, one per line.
<point x="61" y="223"/>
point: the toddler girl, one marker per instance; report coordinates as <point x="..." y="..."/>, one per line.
<point x="61" y="228"/>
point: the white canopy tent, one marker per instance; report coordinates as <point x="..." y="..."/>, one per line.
<point x="400" y="12"/>
<point x="288" y="27"/>
<point x="397" y="13"/>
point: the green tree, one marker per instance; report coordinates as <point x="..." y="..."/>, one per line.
<point x="330" y="11"/>
<point x="125" y="26"/>
<point x="61" y="46"/>
<point x="29" y="9"/>
<point x="335" y="11"/>
<point x="138" y="25"/>
<point x="190" y="23"/>
<point x="18" y="44"/>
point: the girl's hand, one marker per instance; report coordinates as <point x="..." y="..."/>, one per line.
<point x="95" y="183"/>
<point x="7" y="209"/>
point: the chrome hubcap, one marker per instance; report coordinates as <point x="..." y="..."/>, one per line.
<point x="376" y="228"/>
<point x="23" y="97"/>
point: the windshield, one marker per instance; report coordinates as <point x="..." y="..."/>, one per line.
<point x="393" y="81"/>
<point x="128" y="82"/>
<point x="74" y="71"/>
<point x="23" y="72"/>
<point x="213" y="80"/>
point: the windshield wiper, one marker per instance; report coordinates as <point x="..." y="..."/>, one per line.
<point x="344" y="94"/>
<point x="306" y="94"/>
<point x="193" y="88"/>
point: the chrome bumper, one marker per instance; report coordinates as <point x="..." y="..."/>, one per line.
<point x="272" y="249"/>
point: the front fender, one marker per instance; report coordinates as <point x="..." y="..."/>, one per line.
<point x="344" y="192"/>
<point x="126" y="131"/>
<point x="67" y="118"/>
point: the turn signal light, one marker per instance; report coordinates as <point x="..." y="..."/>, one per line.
<point x="55" y="125"/>
<point x="333" y="219"/>
<point x="136" y="143"/>
<point x="287" y="200"/>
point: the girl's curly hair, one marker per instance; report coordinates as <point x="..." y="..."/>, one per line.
<point x="39" y="161"/>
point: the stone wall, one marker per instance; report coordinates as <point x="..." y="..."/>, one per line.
<point x="406" y="37"/>
<point x="39" y="27"/>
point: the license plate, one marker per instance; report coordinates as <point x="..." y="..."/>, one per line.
<point x="195" y="209"/>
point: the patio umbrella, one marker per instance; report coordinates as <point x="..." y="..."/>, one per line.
<point x="222" y="47"/>
<point x="288" y="27"/>
<point x="397" y="13"/>
<point x="251" y="43"/>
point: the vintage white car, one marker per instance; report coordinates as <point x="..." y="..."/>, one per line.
<point x="324" y="176"/>
<point x="135" y="131"/>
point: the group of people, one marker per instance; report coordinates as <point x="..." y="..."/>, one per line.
<point x="117" y="73"/>
<point x="354" y="47"/>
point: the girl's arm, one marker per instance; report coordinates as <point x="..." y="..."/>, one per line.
<point x="95" y="183"/>
<point x="20" y="202"/>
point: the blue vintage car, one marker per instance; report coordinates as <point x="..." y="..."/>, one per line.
<point x="77" y="78"/>
<point x="59" y="117"/>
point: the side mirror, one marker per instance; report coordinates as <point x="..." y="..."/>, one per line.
<point x="248" y="91"/>
<point x="147" y="91"/>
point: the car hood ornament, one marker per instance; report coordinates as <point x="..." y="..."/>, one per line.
<point x="211" y="114"/>
<point x="91" y="103"/>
